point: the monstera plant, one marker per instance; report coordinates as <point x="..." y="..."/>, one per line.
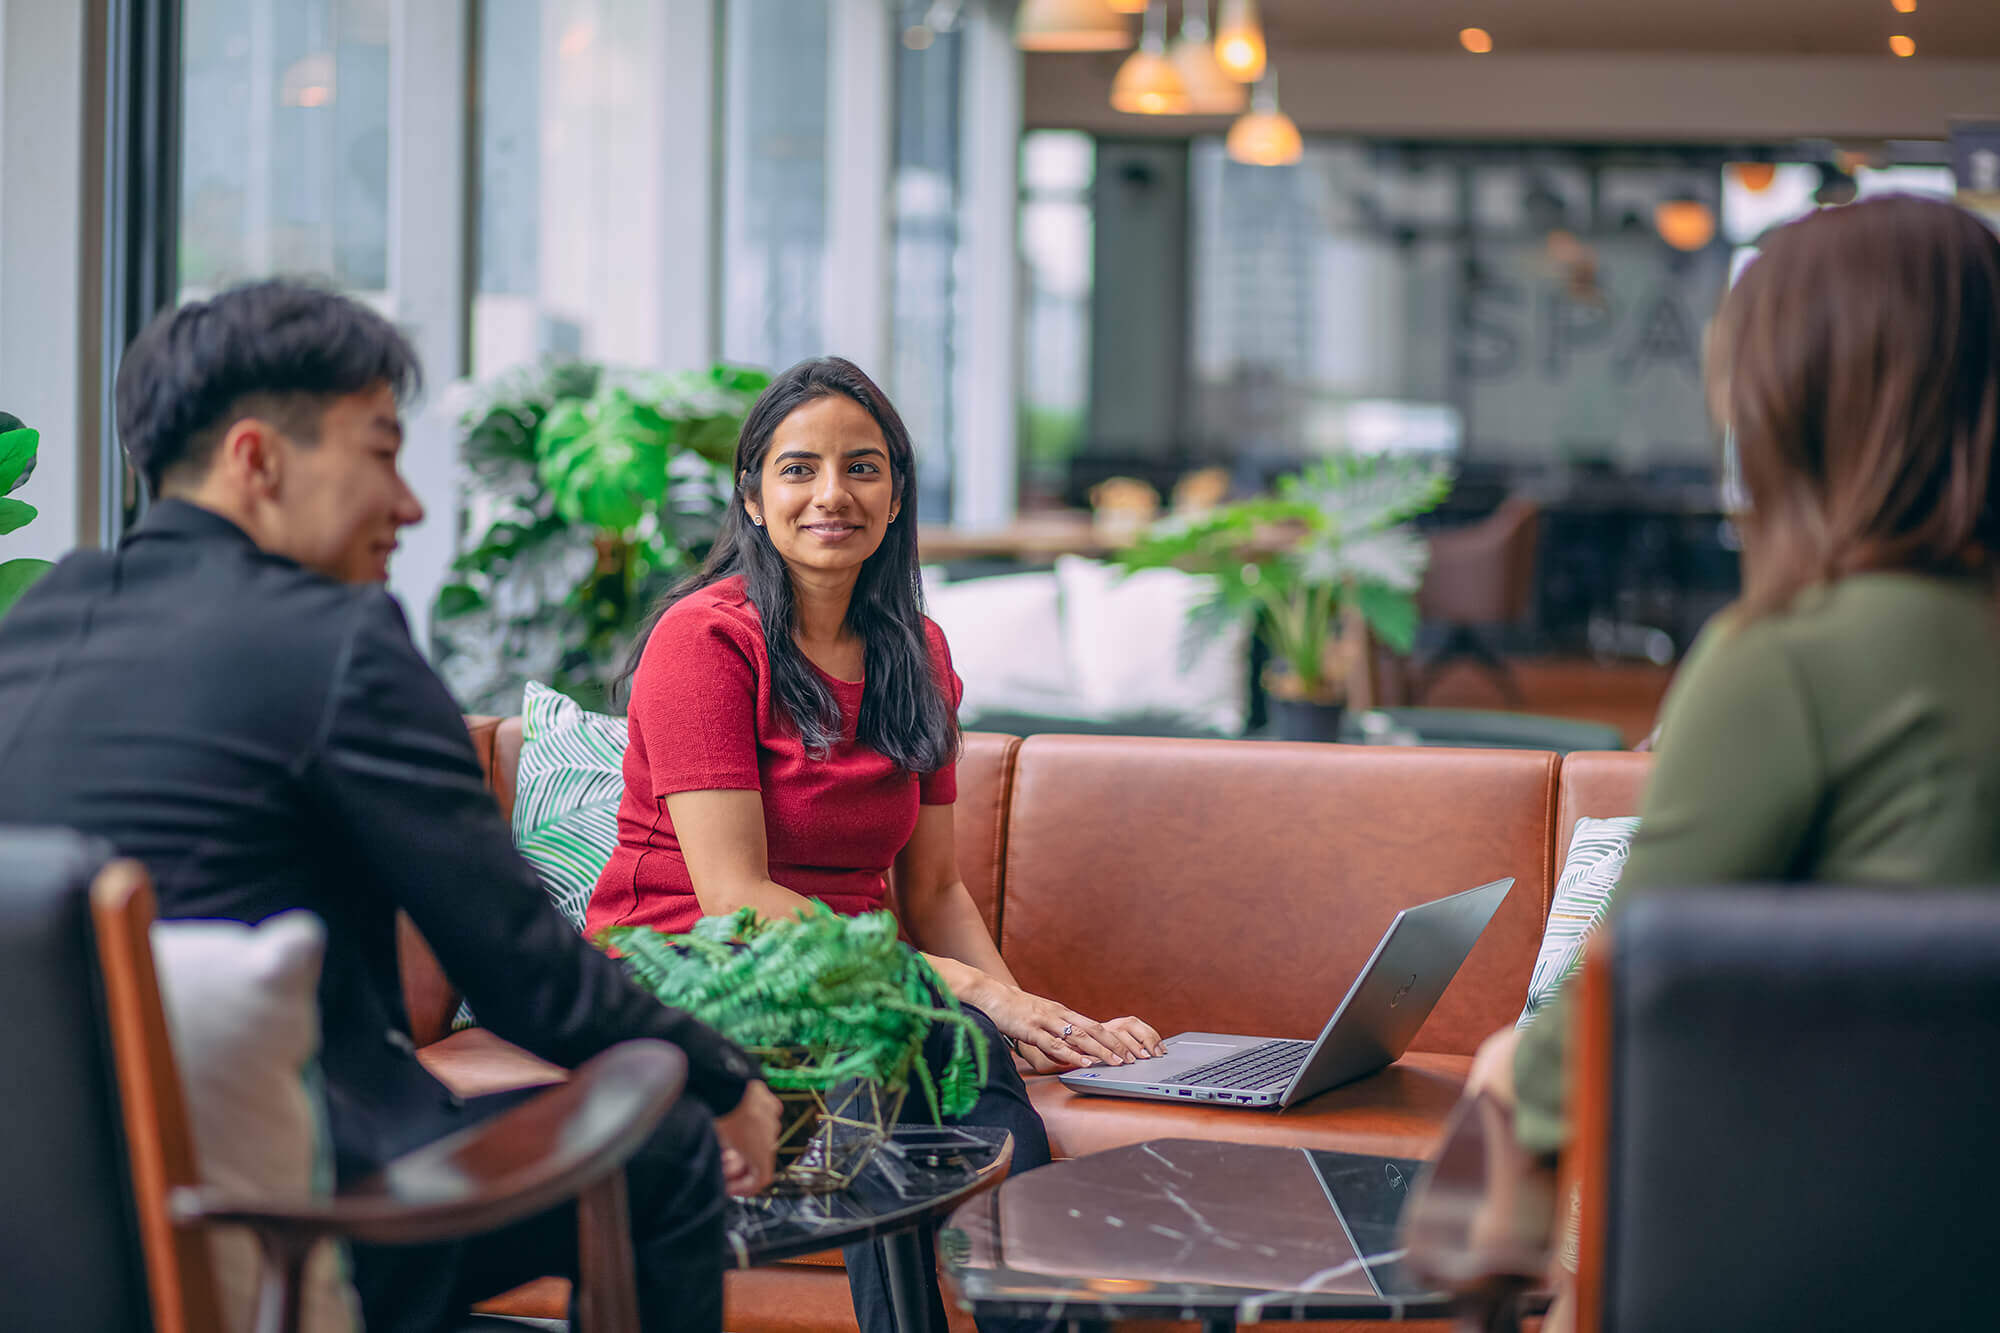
<point x="590" y="491"/>
<point x="17" y="464"/>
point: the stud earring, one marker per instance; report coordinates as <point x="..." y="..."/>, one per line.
<point x="758" y="521"/>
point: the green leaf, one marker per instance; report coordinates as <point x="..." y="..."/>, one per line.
<point x="605" y="461"/>
<point x="17" y="456"/>
<point x="15" y="514"/>
<point x="15" y="578"/>
<point x="1390" y="612"/>
<point x="458" y="599"/>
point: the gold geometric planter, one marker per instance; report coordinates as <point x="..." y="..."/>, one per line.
<point x="825" y="1138"/>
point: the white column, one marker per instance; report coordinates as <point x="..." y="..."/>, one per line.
<point x="691" y="322"/>
<point x="987" y="374"/>
<point x="263" y="115"/>
<point x="428" y="236"/>
<point x="43" y="252"/>
<point x="861" y="93"/>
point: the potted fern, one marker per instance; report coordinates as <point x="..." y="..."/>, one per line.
<point x="836" y="1008"/>
<point x="1329" y="555"/>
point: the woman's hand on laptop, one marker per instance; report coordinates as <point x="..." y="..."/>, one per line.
<point x="1052" y="1037"/>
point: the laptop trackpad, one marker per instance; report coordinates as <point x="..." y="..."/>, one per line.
<point x="1187" y="1051"/>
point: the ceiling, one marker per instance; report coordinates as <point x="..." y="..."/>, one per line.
<point x="1961" y="29"/>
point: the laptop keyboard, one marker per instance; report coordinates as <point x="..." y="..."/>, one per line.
<point x="1268" y="1065"/>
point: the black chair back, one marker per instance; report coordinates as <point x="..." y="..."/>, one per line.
<point x="69" y="1245"/>
<point x="1802" y="1125"/>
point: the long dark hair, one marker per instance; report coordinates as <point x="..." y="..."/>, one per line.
<point x="1858" y="362"/>
<point x="905" y="713"/>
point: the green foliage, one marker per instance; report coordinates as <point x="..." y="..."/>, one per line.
<point x="821" y="998"/>
<point x="17" y="464"/>
<point x="1333" y="536"/>
<point x="593" y="491"/>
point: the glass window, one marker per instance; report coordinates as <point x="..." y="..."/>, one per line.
<point x="924" y="259"/>
<point x="775" y="112"/>
<point x="1057" y="235"/>
<point x="285" y="149"/>
<point x="1524" y="308"/>
<point x="570" y="183"/>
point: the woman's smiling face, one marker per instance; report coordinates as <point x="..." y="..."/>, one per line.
<point x="826" y="495"/>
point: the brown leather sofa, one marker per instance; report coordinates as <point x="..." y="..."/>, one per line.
<point x="1225" y="885"/>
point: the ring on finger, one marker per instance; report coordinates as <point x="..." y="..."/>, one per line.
<point x="1067" y="1029"/>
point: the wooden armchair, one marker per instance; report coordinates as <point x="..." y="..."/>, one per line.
<point x="570" y="1142"/>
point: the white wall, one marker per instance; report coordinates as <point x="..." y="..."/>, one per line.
<point x="1573" y="96"/>
<point x="427" y="88"/>
<point x="42" y="253"/>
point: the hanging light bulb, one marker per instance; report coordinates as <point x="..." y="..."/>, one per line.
<point x="1070" y="25"/>
<point x="1147" y="83"/>
<point x="1684" y="222"/>
<point x="1239" y="41"/>
<point x="1755" y="177"/>
<point x="1211" y="92"/>
<point x="1265" y="136"/>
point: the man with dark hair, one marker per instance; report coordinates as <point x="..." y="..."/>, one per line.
<point x="232" y="698"/>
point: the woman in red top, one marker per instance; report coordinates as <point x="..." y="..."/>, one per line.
<point x="769" y="768"/>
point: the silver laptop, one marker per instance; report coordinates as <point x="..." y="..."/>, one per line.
<point x="1417" y="958"/>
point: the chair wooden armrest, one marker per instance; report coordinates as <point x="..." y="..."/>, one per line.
<point x="570" y="1141"/>
<point x="1479" y="1222"/>
<point x="490" y="1175"/>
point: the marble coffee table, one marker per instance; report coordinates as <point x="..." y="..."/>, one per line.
<point x="1223" y="1233"/>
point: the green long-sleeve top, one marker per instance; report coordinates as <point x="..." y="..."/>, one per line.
<point x="1852" y="739"/>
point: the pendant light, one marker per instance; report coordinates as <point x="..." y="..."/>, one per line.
<point x="1684" y="222"/>
<point x="1147" y="83"/>
<point x="1755" y="177"/>
<point x="1070" y="25"/>
<point x="1239" y="41"/>
<point x="1265" y="136"/>
<point x="1211" y="92"/>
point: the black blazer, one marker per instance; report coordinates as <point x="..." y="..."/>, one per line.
<point x="264" y="738"/>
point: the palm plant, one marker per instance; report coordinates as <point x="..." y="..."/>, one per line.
<point x="1331" y="548"/>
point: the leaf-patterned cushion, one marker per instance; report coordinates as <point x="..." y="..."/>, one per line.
<point x="566" y="793"/>
<point x="1597" y="852"/>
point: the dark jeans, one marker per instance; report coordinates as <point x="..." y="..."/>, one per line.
<point x="674" y="1185"/>
<point x="1003" y="1104"/>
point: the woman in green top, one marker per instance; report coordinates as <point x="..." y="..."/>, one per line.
<point x="1841" y="723"/>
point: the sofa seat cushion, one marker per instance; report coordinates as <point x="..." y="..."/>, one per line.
<point x="1399" y="1112"/>
<point x="474" y="1063"/>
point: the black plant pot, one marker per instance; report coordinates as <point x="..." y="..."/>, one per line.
<point x="1299" y="720"/>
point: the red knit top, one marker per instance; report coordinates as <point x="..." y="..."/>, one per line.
<point x="704" y="717"/>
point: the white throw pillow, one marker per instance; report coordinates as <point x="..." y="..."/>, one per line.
<point x="1589" y="879"/>
<point x="243" y="1013"/>
<point x="1130" y="643"/>
<point x="1006" y="637"/>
